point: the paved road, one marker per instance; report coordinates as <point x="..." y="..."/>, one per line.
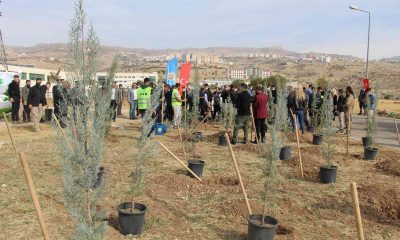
<point x="386" y="132"/>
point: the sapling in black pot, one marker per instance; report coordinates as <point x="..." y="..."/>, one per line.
<point x="228" y="115"/>
<point x="370" y="151"/>
<point x="85" y="114"/>
<point x="263" y="226"/>
<point x="281" y="117"/>
<point x="131" y="215"/>
<point x="328" y="171"/>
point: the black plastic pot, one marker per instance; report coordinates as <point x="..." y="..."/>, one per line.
<point x="310" y="129"/>
<point x="131" y="222"/>
<point x="286" y="153"/>
<point x="47" y="114"/>
<point x="317" y="139"/>
<point x="222" y="140"/>
<point x="370" y="153"/>
<point x="196" y="166"/>
<point x="328" y="174"/>
<point x="367" y="141"/>
<point x="99" y="179"/>
<point x="197" y="136"/>
<point x="256" y="231"/>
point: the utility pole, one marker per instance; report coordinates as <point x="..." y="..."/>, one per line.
<point x="3" y="50"/>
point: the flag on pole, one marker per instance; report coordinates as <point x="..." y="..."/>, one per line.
<point x="184" y="76"/>
<point x="366" y="83"/>
<point x="171" y="71"/>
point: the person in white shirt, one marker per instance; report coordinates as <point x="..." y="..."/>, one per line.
<point x="132" y="99"/>
<point x="115" y="100"/>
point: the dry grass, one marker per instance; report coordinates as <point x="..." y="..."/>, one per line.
<point x="183" y="208"/>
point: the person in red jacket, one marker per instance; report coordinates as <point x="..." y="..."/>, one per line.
<point x="260" y="107"/>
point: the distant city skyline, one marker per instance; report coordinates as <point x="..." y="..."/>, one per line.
<point x="324" y="26"/>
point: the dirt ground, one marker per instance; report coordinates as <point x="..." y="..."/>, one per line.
<point x="181" y="207"/>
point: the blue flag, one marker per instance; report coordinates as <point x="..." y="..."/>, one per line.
<point x="171" y="71"/>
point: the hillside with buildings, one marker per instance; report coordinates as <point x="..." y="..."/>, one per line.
<point x="221" y="64"/>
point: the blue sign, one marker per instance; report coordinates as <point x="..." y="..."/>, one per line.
<point x="171" y="71"/>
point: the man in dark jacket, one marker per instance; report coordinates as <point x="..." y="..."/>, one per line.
<point x="243" y="103"/>
<point x="36" y="101"/>
<point x="57" y="97"/>
<point x="15" y="98"/>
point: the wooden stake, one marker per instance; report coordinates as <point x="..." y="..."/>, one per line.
<point x="32" y="190"/>
<point x="182" y="144"/>
<point x="61" y="130"/>
<point x="356" y="207"/>
<point x="397" y="128"/>
<point x="238" y="173"/>
<point x="348" y="135"/>
<point x="88" y="205"/>
<point x="298" y="144"/>
<point x="185" y="107"/>
<point x="9" y="133"/>
<point x="254" y="124"/>
<point x="177" y="159"/>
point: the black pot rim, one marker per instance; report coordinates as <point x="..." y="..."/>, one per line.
<point x="273" y="224"/>
<point x="196" y="161"/>
<point x="365" y="137"/>
<point x="332" y="167"/>
<point x="318" y="135"/>
<point x="286" y="147"/>
<point x="122" y="210"/>
<point x="371" y="149"/>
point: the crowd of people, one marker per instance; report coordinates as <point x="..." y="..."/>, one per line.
<point x="302" y="102"/>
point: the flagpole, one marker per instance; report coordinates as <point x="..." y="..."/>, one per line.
<point x="162" y="104"/>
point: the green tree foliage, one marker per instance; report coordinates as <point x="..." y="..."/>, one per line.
<point x="145" y="147"/>
<point x="323" y="83"/>
<point x="258" y="81"/>
<point x="328" y="146"/>
<point x="281" y="115"/>
<point x="277" y="80"/>
<point x="88" y="118"/>
<point x="237" y="82"/>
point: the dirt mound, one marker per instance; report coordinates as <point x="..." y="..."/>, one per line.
<point x="391" y="166"/>
<point x="248" y="147"/>
<point x="226" y="180"/>
<point x="311" y="163"/>
<point x="381" y="202"/>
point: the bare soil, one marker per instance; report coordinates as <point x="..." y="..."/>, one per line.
<point x="180" y="207"/>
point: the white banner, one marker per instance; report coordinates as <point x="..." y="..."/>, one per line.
<point x="5" y="80"/>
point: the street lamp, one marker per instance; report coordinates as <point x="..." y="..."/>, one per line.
<point x="352" y="7"/>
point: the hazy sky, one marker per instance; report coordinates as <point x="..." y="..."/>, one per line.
<point x="300" y="25"/>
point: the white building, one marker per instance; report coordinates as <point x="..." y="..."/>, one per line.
<point x="126" y="79"/>
<point x="237" y="73"/>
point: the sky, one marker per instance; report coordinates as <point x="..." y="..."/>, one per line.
<point x="327" y="26"/>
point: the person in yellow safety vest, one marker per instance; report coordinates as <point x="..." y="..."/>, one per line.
<point x="144" y="97"/>
<point x="176" y="101"/>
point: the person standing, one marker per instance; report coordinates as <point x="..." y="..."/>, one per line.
<point x="57" y="98"/>
<point x="260" y="113"/>
<point x="243" y="103"/>
<point x="45" y="91"/>
<point x="169" y="111"/>
<point x="144" y="96"/>
<point x="115" y="99"/>
<point x="176" y="102"/>
<point x="26" y="115"/>
<point x="361" y="101"/>
<point x="300" y="107"/>
<point x="348" y="109"/>
<point x="36" y="101"/>
<point x="216" y="105"/>
<point x="14" y="93"/>
<point x="370" y="100"/>
<point x="132" y="99"/>
<point x="341" y="102"/>
<point x="121" y="97"/>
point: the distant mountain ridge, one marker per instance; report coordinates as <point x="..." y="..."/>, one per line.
<point x="63" y="47"/>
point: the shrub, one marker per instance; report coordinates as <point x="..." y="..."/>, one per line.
<point x="328" y="146"/>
